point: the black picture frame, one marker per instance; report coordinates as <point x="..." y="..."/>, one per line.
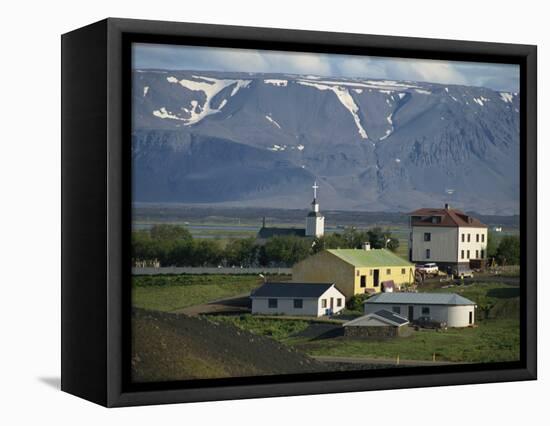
<point x="96" y="211"/>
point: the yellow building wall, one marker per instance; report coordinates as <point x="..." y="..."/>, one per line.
<point x="386" y="273"/>
<point x="326" y="268"/>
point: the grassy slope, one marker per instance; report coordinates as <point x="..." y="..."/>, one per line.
<point x="169" y="293"/>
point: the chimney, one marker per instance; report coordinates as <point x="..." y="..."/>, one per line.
<point x="365" y="246"/>
<point x="447" y="206"/>
<point x="263" y="222"/>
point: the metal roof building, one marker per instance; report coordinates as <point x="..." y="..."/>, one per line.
<point x="455" y="310"/>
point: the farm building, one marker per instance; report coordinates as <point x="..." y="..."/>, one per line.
<point x="455" y="310"/>
<point x="356" y="271"/>
<point x="382" y="323"/>
<point x="447" y="237"/>
<point x="310" y="299"/>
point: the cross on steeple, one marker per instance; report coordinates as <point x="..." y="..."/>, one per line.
<point x="315" y="187"/>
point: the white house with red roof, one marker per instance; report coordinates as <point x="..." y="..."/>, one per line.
<point x="448" y="237"/>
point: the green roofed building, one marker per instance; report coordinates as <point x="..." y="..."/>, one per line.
<point x="356" y="271"/>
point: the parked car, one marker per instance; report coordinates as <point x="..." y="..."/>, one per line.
<point x="428" y="268"/>
<point x="427" y="322"/>
<point x="463" y="272"/>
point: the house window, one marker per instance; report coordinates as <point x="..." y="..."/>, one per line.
<point x="323" y="303"/>
<point x="482" y="254"/>
<point x="272" y="303"/>
<point x="463" y="237"/>
<point x="477" y="238"/>
<point x="388" y="271"/>
<point x="339" y="302"/>
<point x="462" y="254"/>
<point x="467" y="254"/>
<point x="428" y="253"/>
<point x="358" y="273"/>
<point x="298" y="303"/>
<point x="469" y="237"/>
<point x="427" y="236"/>
<point x="396" y="309"/>
<point x="425" y="310"/>
<point x="482" y="238"/>
<point x="403" y="271"/>
<point x="477" y="254"/>
<point x="363" y="281"/>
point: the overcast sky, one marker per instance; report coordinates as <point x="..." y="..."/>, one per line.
<point x="502" y="77"/>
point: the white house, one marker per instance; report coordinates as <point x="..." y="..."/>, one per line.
<point x="448" y="237"/>
<point x="455" y="310"/>
<point x="310" y="299"/>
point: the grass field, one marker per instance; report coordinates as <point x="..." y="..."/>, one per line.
<point x="168" y="293"/>
<point x="493" y="340"/>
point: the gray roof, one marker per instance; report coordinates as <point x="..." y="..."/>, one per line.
<point x="420" y="299"/>
<point x="265" y="233"/>
<point x="391" y="316"/>
<point x="301" y="290"/>
<point x="382" y="315"/>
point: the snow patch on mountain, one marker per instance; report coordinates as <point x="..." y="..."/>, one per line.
<point x="275" y="82"/>
<point x="271" y="120"/>
<point x="507" y="97"/>
<point x="345" y="99"/>
<point x="210" y="87"/>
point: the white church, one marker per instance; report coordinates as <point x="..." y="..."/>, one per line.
<point x="315" y="224"/>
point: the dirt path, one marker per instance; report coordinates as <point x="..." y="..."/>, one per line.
<point x="381" y="361"/>
<point x="235" y="304"/>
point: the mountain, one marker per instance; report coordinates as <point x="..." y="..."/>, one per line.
<point x="251" y="139"/>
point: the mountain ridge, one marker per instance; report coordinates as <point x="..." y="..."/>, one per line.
<point x="261" y="140"/>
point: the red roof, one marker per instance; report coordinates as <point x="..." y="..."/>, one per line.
<point x="446" y="217"/>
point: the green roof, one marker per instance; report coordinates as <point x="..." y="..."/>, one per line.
<point x="369" y="258"/>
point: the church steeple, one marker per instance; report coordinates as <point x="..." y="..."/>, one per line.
<point x="314" y="203"/>
<point x="315" y="221"/>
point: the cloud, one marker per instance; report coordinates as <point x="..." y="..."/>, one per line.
<point x="495" y="76"/>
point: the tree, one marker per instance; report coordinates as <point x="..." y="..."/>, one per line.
<point x="393" y="244"/>
<point x="241" y="252"/>
<point x="492" y="245"/>
<point x="508" y="250"/>
<point x="166" y="232"/>
<point x="286" y="250"/>
<point x="377" y="237"/>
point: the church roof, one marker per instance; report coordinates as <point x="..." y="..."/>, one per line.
<point x="265" y="232"/>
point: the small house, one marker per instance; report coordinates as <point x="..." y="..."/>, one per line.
<point x="455" y="310"/>
<point x="382" y="323"/>
<point x="356" y="271"/>
<point x="308" y="299"/>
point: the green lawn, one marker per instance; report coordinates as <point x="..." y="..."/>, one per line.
<point x="491" y="341"/>
<point x="278" y="329"/>
<point x="169" y="293"/>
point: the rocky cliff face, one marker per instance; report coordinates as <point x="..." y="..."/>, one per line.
<point x="261" y="140"/>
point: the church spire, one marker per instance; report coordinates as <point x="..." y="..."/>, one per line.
<point x="315" y="221"/>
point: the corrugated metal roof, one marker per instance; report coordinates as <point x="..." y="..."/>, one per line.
<point x="301" y="290"/>
<point x="382" y="315"/>
<point x="370" y="258"/>
<point x="420" y="299"/>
